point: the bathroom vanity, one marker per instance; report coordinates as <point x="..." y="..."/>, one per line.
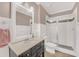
<point x="27" y="48"/>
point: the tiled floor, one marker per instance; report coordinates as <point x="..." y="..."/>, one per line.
<point x="57" y="54"/>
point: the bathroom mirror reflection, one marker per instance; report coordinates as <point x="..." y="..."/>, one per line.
<point x="24" y="17"/>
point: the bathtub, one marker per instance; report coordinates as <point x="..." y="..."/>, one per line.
<point x="50" y="47"/>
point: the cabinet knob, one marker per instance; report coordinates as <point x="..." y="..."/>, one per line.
<point x="27" y="54"/>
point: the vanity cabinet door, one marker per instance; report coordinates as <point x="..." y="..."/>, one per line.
<point x="35" y="51"/>
<point x="36" y="48"/>
<point x="39" y="53"/>
<point x="26" y="54"/>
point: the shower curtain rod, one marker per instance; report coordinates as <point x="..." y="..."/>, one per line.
<point x="66" y="20"/>
<point x="51" y="22"/>
<point x="61" y="21"/>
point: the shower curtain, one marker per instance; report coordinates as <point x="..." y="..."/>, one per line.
<point x="62" y="33"/>
<point x="66" y="33"/>
<point x="52" y="32"/>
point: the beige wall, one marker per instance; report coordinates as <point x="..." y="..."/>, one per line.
<point x="42" y="14"/>
<point x="5" y="8"/>
<point x="36" y="11"/>
<point x="22" y="19"/>
<point x="39" y="13"/>
<point x="78" y="12"/>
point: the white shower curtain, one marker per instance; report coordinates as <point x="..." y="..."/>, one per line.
<point x="52" y="32"/>
<point x="70" y="33"/>
<point x="62" y="33"/>
<point x="66" y="33"/>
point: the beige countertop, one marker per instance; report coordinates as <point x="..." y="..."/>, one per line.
<point x="24" y="45"/>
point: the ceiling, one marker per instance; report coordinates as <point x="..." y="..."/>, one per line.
<point x="56" y="7"/>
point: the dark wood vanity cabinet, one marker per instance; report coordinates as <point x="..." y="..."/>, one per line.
<point x="26" y="54"/>
<point x="38" y="50"/>
<point x="35" y="51"/>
